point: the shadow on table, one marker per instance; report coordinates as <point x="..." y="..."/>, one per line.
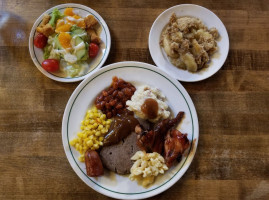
<point x="13" y="29"/>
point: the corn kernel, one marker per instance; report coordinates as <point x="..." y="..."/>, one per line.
<point x="86" y="122"/>
<point x="81" y="158"/>
<point x="74" y="141"/>
<point x="98" y="133"/>
<point x="90" y="143"/>
<point x="100" y="127"/>
<point x="103" y="117"/>
<point x="103" y="131"/>
<point x="96" y="146"/>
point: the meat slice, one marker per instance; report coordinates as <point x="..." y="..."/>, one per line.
<point x="174" y="146"/>
<point x="117" y="157"/>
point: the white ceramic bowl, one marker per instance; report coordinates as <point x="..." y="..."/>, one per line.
<point x="111" y="184"/>
<point x="210" y="20"/>
<point x="96" y="63"/>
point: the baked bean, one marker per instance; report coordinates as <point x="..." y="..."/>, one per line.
<point x="110" y="91"/>
<point x="109" y="115"/>
<point x="108" y="106"/>
<point x="115" y="79"/>
<point x="114" y="112"/>
<point x="115" y="85"/>
<point x="103" y="103"/>
<point x="121" y="83"/>
<point x="115" y="93"/>
<point x="100" y="98"/>
<point x="127" y="92"/>
<point x="120" y="94"/>
<point x="105" y="93"/>
<point x="119" y="106"/>
<point x="133" y="89"/>
<point x="112" y="102"/>
<point x="109" y="98"/>
<point x="98" y="106"/>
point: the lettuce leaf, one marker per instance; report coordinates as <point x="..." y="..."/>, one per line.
<point x="56" y="14"/>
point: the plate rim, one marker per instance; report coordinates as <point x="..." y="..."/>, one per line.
<point x="200" y="7"/>
<point x="65" y="79"/>
<point x="160" y="188"/>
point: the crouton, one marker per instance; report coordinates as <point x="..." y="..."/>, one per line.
<point x="45" y="20"/>
<point x="90" y="21"/>
<point x="46" y="30"/>
<point x="94" y="37"/>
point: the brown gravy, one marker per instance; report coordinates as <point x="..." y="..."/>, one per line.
<point x="122" y="125"/>
<point x="150" y="108"/>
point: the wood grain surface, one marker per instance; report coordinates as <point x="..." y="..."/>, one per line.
<point x="232" y="159"/>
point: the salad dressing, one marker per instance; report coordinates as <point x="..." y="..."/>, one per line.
<point x="79" y="46"/>
<point x="72" y="19"/>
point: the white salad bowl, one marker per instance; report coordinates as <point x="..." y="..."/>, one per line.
<point x="96" y="63"/>
<point x="210" y="20"/>
<point x="177" y="98"/>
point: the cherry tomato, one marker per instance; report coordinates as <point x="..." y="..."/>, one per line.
<point x="50" y="65"/>
<point x="93" y="50"/>
<point x="40" y="41"/>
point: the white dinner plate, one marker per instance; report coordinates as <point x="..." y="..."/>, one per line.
<point x="210" y="20"/>
<point x="137" y="73"/>
<point x="96" y="63"/>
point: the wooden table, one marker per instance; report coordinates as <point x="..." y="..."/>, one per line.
<point x="232" y="159"/>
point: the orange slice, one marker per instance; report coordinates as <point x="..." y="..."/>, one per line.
<point x="63" y="28"/>
<point x="60" y="22"/>
<point x="69" y="12"/>
<point x="81" y="24"/>
<point x="64" y="39"/>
